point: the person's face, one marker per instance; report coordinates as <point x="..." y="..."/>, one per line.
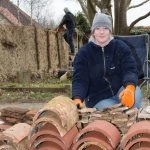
<point x="101" y="35"/>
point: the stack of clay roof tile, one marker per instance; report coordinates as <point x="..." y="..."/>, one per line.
<point x="13" y="115"/>
<point x="4" y="126"/>
<point x="98" y="135"/>
<point x="15" y="137"/>
<point x="121" y="117"/>
<point x="28" y="118"/>
<point x="54" y="125"/>
<point x="137" y="137"/>
<point x="144" y="113"/>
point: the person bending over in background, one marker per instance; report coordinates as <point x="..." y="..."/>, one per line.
<point x="69" y="21"/>
<point x="105" y="71"/>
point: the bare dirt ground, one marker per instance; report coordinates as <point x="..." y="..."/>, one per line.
<point x="34" y="100"/>
<point x="27" y="99"/>
<point x="39" y="105"/>
<point x="23" y="105"/>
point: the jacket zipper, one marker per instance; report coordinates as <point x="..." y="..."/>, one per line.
<point x="105" y="72"/>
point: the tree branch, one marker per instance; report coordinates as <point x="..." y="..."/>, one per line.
<point x="139" y="19"/>
<point x="98" y="3"/>
<point x="92" y="6"/>
<point x="134" y="6"/>
<point x="84" y="8"/>
<point x="128" y="3"/>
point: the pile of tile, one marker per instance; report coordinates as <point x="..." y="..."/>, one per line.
<point x="13" y="115"/>
<point x="95" y="137"/>
<point x="15" y="137"/>
<point x="54" y="125"/>
<point x="144" y="113"/>
<point x="137" y="137"/>
<point x="122" y="117"/>
<point x="28" y="118"/>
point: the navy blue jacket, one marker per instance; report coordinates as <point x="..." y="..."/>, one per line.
<point x="68" y="20"/>
<point x="100" y="72"/>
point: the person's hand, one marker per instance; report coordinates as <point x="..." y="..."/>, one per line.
<point x="78" y="102"/>
<point x="57" y="29"/>
<point x="127" y="96"/>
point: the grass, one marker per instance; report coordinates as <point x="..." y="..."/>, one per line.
<point x="50" y="83"/>
<point x="22" y="97"/>
<point x="30" y="96"/>
<point x="145" y="92"/>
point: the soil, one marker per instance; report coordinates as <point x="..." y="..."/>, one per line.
<point x="39" y="105"/>
<point x="23" y="105"/>
<point x="24" y="100"/>
<point x="31" y="98"/>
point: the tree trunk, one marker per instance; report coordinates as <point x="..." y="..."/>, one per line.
<point x="106" y="4"/>
<point x="91" y="10"/>
<point x="120" y="13"/>
<point x="120" y="22"/>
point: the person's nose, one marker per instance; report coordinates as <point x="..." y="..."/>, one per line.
<point x="101" y="30"/>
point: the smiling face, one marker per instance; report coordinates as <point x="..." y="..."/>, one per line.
<point x="102" y="35"/>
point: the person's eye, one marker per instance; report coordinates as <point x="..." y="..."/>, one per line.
<point x="97" y="28"/>
<point x="105" y="28"/>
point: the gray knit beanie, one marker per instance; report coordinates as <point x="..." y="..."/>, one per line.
<point x="102" y="20"/>
<point x="66" y="10"/>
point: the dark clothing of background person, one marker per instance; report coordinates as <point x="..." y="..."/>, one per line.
<point x="69" y="21"/>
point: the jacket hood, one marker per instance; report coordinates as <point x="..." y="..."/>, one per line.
<point x="92" y="39"/>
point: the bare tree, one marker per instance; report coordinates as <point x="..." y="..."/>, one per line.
<point x="89" y="7"/>
<point x="48" y="21"/>
<point x="18" y="4"/>
<point x="121" y="7"/>
<point x="35" y="7"/>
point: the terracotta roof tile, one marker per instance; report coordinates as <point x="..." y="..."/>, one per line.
<point x="9" y="16"/>
<point x="24" y="19"/>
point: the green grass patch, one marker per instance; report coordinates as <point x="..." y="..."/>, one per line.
<point x="27" y="97"/>
<point x="7" y="96"/>
<point x="145" y="92"/>
<point x="50" y="83"/>
<point x="39" y="95"/>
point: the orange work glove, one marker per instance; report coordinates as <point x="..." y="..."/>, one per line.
<point x="78" y="102"/>
<point x="127" y="96"/>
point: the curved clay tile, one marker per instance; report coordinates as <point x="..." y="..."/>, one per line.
<point x="42" y="127"/>
<point x="53" y="121"/>
<point x="142" y="127"/>
<point x="70" y="135"/>
<point x="105" y="128"/>
<point x="137" y="143"/>
<point x="51" y="143"/>
<point x="62" y="109"/>
<point x="47" y="113"/>
<point x="92" y="142"/>
<point x="45" y="133"/>
<point x="15" y="137"/>
<point x="51" y="130"/>
<point x="143" y="148"/>
<point x="50" y="127"/>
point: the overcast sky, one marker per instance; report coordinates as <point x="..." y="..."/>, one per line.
<point x="55" y="9"/>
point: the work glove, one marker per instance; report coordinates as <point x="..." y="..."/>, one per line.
<point x="78" y="102"/>
<point x="127" y="96"/>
